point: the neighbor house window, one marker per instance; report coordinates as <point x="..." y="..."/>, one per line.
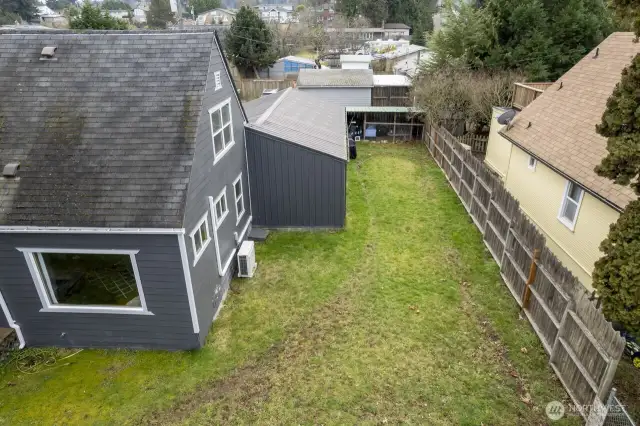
<point x="218" y="80"/>
<point x="221" y="129"/>
<point x="237" y="194"/>
<point x="200" y="238"/>
<point x="532" y="163"/>
<point x="571" y="204"/>
<point x="220" y="207"/>
<point x="90" y="281"/>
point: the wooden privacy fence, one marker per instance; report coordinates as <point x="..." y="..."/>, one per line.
<point x="478" y="143"/>
<point x="252" y="89"/>
<point x="584" y="349"/>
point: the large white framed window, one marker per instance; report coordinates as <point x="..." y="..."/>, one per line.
<point x="238" y="195"/>
<point x="570" y="206"/>
<point x="87" y="280"/>
<point x="221" y="208"/>
<point x="221" y="129"/>
<point x="200" y="238"/>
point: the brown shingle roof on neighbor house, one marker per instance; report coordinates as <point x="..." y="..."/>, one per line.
<point x="563" y="119"/>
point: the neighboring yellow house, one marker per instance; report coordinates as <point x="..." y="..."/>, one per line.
<point x="547" y="154"/>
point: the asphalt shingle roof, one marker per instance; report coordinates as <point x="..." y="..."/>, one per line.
<point x="335" y="78"/>
<point x="105" y="132"/>
<point x="302" y="119"/>
<point x="563" y="120"/>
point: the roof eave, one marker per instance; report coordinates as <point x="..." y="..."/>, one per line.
<point x="562" y="173"/>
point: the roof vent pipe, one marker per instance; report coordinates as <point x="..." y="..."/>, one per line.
<point x="11" y="170"/>
<point x="48" y="52"/>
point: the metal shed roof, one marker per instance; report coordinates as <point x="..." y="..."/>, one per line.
<point x="335" y="78"/>
<point x="383" y="109"/>
<point x="302" y="119"/>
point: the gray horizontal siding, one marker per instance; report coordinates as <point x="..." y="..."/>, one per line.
<point x="292" y="186"/>
<point x="162" y="277"/>
<point x="3" y="320"/>
<point x="208" y="180"/>
<point x="346" y="97"/>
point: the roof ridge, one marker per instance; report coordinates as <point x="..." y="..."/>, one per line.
<point x="272" y="108"/>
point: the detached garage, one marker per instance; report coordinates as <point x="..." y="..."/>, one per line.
<point x="297" y="156"/>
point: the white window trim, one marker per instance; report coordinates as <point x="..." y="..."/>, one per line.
<point x="50" y="306"/>
<point x="197" y="254"/>
<point x="535" y="163"/>
<point x="218" y="222"/>
<point x="565" y="196"/>
<point x="239" y="215"/>
<point x="217" y="157"/>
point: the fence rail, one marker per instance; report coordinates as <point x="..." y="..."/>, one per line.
<point x="583" y="347"/>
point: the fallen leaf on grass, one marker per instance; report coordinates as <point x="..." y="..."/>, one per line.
<point x="513" y="373"/>
<point x="526" y="398"/>
<point x="524" y="350"/>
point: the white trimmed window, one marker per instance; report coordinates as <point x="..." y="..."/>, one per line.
<point x="221" y="210"/>
<point x="87" y="280"/>
<point x="532" y="163"/>
<point x="218" y="80"/>
<point x="570" y="207"/>
<point x="200" y="238"/>
<point x="221" y="129"/>
<point x="238" y="196"/>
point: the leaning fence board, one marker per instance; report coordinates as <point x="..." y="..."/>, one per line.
<point x="584" y="349"/>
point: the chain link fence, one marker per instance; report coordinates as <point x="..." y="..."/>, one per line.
<point x="616" y="414"/>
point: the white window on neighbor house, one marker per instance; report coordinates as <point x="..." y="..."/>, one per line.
<point x="532" y="163"/>
<point x="238" y="196"/>
<point x="220" y="208"/>
<point x="218" y="80"/>
<point x="570" y="207"/>
<point x="221" y="129"/>
<point x="87" y="280"/>
<point x="200" y="238"/>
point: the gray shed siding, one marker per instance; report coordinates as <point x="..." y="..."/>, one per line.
<point x="208" y="180"/>
<point x="294" y="187"/>
<point x="343" y="96"/>
<point x="161" y="274"/>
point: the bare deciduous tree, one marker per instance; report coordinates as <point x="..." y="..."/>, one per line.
<point x="462" y="94"/>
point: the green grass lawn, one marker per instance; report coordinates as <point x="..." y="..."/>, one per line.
<point x="401" y="317"/>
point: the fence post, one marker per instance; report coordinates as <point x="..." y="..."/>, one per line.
<point x="607" y="378"/>
<point x="532" y="276"/>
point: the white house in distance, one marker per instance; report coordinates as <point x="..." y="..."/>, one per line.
<point x="216" y="17"/>
<point x="276" y="13"/>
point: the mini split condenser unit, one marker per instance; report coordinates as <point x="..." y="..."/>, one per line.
<point x="247" y="259"/>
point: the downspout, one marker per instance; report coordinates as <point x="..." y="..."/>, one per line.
<point x="12" y="322"/>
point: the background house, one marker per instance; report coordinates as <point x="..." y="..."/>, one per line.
<point x="546" y="156"/>
<point x="121" y="224"/>
<point x="297" y="154"/>
<point x="216" y="17"/>
<point x="342" y="87"/>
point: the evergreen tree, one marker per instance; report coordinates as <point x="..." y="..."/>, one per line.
<point x="249" y="43"/>
<point x="95" y="18"/>
<point x="617" y="274"/>
<point x="544" y="38"/>
<point x="25" y="9"/>
<point x="200" y="6"/>
<point x="159" y="14"/>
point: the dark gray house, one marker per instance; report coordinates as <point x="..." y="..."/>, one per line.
<point x="120" y="225"/>
<point x="347" y="88"/>
<point x="297" y="155"/>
